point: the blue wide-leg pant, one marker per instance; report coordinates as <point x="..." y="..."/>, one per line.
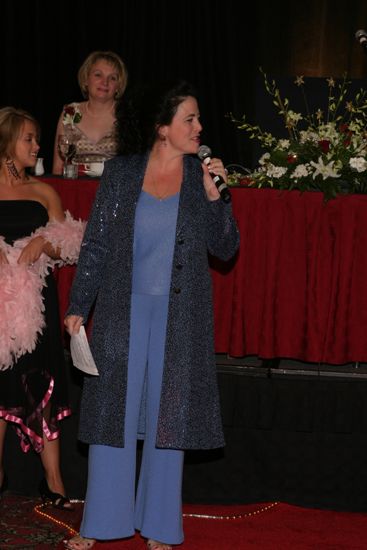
<point x="111" y="508"/>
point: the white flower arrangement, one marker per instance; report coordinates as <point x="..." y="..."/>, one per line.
<point x="328" y="154"/>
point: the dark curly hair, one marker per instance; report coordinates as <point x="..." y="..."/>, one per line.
<point x="141" y="113"/>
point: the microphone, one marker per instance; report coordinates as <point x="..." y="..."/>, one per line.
<point x="204" y="154"/>
<point x="361" y="37"/>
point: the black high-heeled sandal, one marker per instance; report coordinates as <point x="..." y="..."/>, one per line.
<point x="4" y="485"/>
<point x="57" y="500"/>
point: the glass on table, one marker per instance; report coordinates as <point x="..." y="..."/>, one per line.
<point x="67" y="149"/>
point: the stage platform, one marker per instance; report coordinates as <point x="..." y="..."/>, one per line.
<point x="255" y="366"/>
<point x="296" y="434"/>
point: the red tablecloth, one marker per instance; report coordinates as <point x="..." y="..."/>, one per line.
<point x="77" y="196"/>
<point x="298" y="287"/>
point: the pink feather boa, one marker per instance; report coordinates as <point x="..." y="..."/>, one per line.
<point x="21" y="303"/>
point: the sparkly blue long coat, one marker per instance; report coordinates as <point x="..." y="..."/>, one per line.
<point x="189" y="416"/>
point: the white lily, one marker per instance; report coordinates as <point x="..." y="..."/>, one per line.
<point x="324" y="170"/>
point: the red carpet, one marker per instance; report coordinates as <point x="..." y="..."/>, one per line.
<point x="248" y="527"/>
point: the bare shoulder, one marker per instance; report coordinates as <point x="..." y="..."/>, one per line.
<point x="48" y="196"/>
<point x="43" y="188"/>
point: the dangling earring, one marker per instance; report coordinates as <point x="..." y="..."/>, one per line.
<point x="12" y="169"/>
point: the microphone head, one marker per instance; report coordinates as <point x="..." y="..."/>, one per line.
<point x="361" y="35"/>
<point x="204" y="152"/>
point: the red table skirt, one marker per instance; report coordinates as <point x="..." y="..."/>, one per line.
<point x="298" y="286"/>
<point x="77" y="196"/>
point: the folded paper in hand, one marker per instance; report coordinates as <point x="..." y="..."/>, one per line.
<point x="81" y="354"/>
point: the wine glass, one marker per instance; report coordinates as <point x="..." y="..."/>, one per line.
<point x="67" y="150"/>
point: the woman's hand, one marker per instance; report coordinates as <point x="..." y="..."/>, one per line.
<point x="73" y="323"/>
<point x="213" y="168"/>
<point x="32" y="251"/>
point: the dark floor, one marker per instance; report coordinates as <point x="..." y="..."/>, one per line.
<point x="254" y="365"/>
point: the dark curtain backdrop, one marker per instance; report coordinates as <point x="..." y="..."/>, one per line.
<point x="216" y="44"/>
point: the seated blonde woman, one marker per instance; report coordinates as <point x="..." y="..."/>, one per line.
<point x="102" y="79"/>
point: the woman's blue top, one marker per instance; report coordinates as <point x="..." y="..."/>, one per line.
<point x="154" y="240"/>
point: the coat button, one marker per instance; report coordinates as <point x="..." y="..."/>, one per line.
<point x="177" y="290"/>
<point x="180" y="241"/>
<point x="179" y="266"/>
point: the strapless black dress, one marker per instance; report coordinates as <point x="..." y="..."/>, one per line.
<point x="33" y="393"/>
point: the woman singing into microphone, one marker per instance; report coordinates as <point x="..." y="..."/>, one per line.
<point x="144" y="258"/>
